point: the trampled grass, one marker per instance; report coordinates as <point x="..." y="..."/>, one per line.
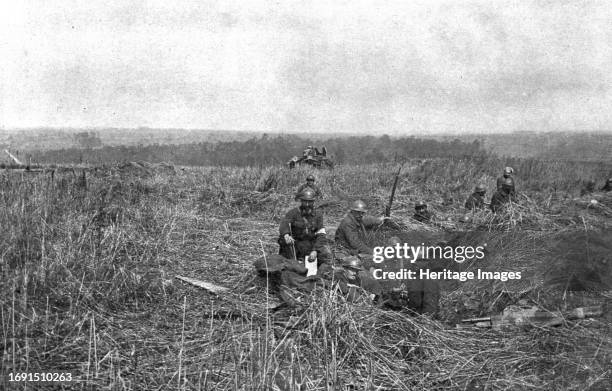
<point x="88" y="271"/>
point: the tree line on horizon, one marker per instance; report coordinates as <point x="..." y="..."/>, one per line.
<point x="266" y="150"/>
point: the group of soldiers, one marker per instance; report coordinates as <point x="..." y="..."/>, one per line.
<point x="348" y="258"/>
<point x="506" y="193"/>
<point x="421" y="213"/>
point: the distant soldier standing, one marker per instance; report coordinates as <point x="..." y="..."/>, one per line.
<point x="476" y="200"/>
<point x="302" y="232"/>
<point x="421" y="213"/>
<point x="508" y="171"/>
<point x="503" y="196"/>
<point x="608" y="185"/>
<point x="310" y="183"/>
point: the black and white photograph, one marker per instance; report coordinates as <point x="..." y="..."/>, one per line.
<point x="306" y="195"/>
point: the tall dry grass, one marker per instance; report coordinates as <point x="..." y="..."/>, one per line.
<point x="88" y="266"/>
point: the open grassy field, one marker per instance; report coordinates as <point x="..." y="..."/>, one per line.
<point x="88" y="265"/>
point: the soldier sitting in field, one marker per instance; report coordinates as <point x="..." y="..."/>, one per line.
<point x="350" y="234"/>
<point x="351" y="275"/>
<point x="506" y="179"/>
<point x="476" y="200"/>
<point x="352" y="249"/>
<point x="302" y="234"/>
<point x="310" y="184"/>
<point x="503" y="197"/>
<point x="302" y="231"/>
<point x="421" y="213"/>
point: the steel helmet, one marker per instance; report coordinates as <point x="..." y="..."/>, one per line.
<point x="358" y="206"/>
<point x="393" y="241"/>
<point x="420" y="204"/>
<point x="480" y="189"/>
<point x="310" y="178"/>
<point x="307" y="195"/>
<point x="352" y="263"/>
<point x="508" y="170"/>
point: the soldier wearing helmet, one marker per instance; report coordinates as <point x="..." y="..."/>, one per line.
<point x="508" y="171"/>
<point x="421" y="213"/>
<point x="353" y="263"/>
<point x="352" y="266"/>
<point x="310" y="183"/>
<point x="351" y="232"/>
<point x="352" y="248"/>
<point x="302" y="231"/>
<point x="608" y="185"/>
<point x="355" y="274"/>
<point x="503" y="196"/>
<point x="476" y="200"/>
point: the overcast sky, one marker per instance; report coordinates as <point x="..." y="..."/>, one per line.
<point x="359" y="66"/>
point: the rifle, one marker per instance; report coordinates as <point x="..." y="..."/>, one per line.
<point x="388" y="208"/>
<point x="514" y="316"/>
<point x="293" y="252"/>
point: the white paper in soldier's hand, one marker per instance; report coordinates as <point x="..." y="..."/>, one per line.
<point x="311" y="266"/>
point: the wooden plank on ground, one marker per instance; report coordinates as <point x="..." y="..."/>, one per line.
<point x="203" y="284"/>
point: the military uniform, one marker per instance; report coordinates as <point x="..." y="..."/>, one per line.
<point x="475" y="201"/>
<point x="315" y="188"/>
<point x="502" y="179"/>
<point x="308" y="233"/>
<point x="351" y="233"/>
<point x="346" y="276"/>
<point x="500" y="199"/>
<point x="350" y="241"/>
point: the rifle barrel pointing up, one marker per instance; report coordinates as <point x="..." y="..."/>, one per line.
<point x="388" y="208"/>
